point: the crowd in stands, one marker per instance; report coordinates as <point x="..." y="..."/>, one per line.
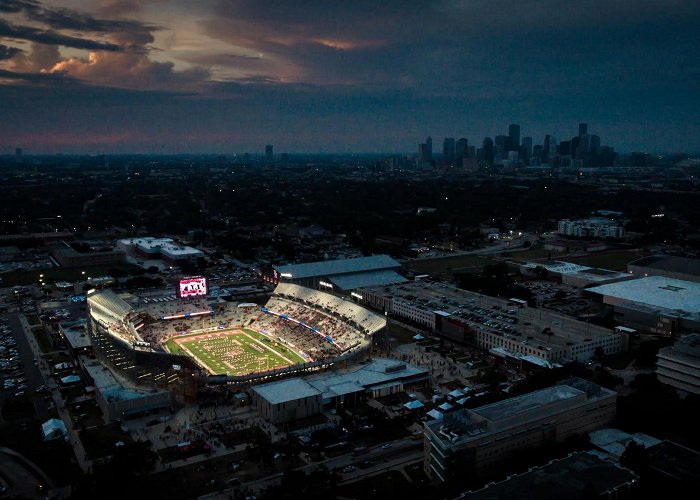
<point x="347" y="310"/>
<point x="348" y="325"/>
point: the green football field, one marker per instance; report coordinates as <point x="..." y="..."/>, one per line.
<point x="234" y="352"/>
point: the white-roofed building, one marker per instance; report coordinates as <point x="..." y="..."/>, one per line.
<point x="657" y="304"/>
<point x="296" y="398"/>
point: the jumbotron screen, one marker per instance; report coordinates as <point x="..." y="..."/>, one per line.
<point x="192" y="287"/>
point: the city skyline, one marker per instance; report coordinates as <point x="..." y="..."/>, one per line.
<point x="120" y="76"/>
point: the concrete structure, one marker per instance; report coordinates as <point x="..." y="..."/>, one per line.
<point x="591" y="228"/>
<point x="668" y="266"/>
<point x="300" y="397"/>
<point x="580" y="475"/>
<point x="120" y="400"/>
<point x="69" y="257"/>
<point x="475" y="441"/>
<point x="286" y="400"/>
<point x="574" y="274"/>
<point x="160" y="248"/>
<point x="679" y="365"/>
<point x="498" y="325"/>
<point x="341" y="276"/>
<point x="659" y="305"/>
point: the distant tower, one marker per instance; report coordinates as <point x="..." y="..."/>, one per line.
<point x="582" y="129"/>
<point x="448" y="150"/>
<point x="487" y="146"/>
<point x="527" y="149"/>
<point x="269" y="155"/>
<point x="513" y="137"/>
<point x="461" y="150"/>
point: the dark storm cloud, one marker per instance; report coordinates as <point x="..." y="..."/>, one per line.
<point x="50" y="37"/>
<point x="373" y="75"/>
<point x="8" y="52"/>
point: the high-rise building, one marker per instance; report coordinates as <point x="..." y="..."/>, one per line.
<point x="461" y="150"/>
<point x="474" y="441"/>
<point x="582" y="129"/>
<point x="513" y="137"/>
<point x="594" y="145"/>
<point x="549" y="151"/>
<point x="487" y="146"/>
<point x="448" y="150"/>
<point x="501" y="146"/>
<point x="527" y="149"/>
<point x="269" y="155"/>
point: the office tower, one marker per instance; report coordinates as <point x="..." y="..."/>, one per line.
<point x="564" y="148"/>
<point x="501" y="146"/>
<point x="582" y="129"/>
<point x="527" y="149"/>
<point x="575" y="143"/>
<point x="471" y="152"/>
<point x="487" y="146"/>
<point x="549" y="149"/>
<point x="513" y="137"/>
<point x="461" y="150"/>
<point x="448" y="150"/>
<point x="269" y="156"/>
<point x="537" y="154"/>
<point x="594" y="145"/>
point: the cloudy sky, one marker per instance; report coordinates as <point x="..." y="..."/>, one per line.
<point x="224" y="76"/>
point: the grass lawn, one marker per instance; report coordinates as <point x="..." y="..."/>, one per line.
<point x="536" y="254"/>
<point x="449" y="264"/>
<point x="43" y="340"/>
<point x="62" y="274"/>
<point x="235" y="352"/>
<point x="615" y="260"/>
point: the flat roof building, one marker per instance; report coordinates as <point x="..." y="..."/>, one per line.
<point x="501" y="326"/>
<point x="301" y="397"/>
<point x="668" y="266"/>
<point x="340" y="276"/>
<point x="575" y="274"/>
<point x="474" y="442"/>
<point x="580" y="475"/>
<point x="661" y="305"/>
<point x="165" y="248"/>
<point x="679" y="365"/>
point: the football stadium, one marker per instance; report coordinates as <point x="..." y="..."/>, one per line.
<point x="185" y="340"/>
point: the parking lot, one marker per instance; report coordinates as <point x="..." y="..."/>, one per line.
<point x="22" y="383"/>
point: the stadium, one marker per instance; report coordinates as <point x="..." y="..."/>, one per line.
<point x="182" y="342"/>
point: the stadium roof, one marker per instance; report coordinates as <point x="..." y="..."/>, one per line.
<point x="365" y="279"/>
<point x="110" y="301"/>
<point x="334" y="267"/>
<point x="657" y="292"/>
<point x="286" y="390"/>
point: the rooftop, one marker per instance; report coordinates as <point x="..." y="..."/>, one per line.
<point x="570" y="477"/>
<point x="333" y="267"/>
<point x="369" y="278"/>
<point x="658" y="292"/>
<point x="286" y="390"/>
<point x="670" y="263"/>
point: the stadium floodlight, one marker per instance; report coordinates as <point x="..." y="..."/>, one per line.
<point x="326" y="284"/>
<point x="356" y="295"/>
<point x="286" y="275"/>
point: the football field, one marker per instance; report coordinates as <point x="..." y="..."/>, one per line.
<point x="234" y="352"/>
